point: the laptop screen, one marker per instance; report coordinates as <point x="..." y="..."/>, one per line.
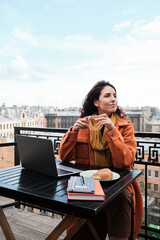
<point x="37" y="154"/>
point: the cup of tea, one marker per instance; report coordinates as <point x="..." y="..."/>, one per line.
<point x="93" y="122"/>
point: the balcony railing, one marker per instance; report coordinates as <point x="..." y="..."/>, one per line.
<point x="147" y="157"/>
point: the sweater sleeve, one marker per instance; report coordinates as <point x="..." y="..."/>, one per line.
<point x="122" y="146"/>
<point x="67" y="146"/>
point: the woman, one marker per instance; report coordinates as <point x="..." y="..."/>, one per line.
<point x="121" y="218"/>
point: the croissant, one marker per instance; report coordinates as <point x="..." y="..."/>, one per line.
<point x="103" y="174"/>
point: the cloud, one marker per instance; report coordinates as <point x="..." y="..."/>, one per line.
<point x="142" y="29"/>
<point x="40" y="76"/>
<point x="19" y="65"/>
<point x="76" y="43"/>
<point x="121" y="54"/>
<point x="75" y="62"/>
<point x="118" y="27"/>
<point x="125" y="52"/>
<point x="137" y="33"/>
<point x="11" y="49"/>
<point x="25" y="36"/>
<point x="18" y="69"/>
<point x="78" y="37"/>
<point x="129" y="11"/>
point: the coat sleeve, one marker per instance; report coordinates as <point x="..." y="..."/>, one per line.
<point x="67" y="146"/>
<point x="122" y="146"/>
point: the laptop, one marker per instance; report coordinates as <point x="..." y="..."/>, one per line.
<point x="37" y="154"/>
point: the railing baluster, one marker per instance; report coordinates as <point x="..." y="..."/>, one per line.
<point x="146" y="199"/>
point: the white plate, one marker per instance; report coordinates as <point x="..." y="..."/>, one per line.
<point x="89" y="173"/>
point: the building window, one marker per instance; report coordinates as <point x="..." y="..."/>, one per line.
<point x="142" y="185"/>
<point x="149" y="186"/>
<point x="149" y="173"/>
<point x="156" y="187"/>
<point x="156" y="174"/>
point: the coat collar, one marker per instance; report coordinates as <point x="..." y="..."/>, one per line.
<point x="121" y="122"/>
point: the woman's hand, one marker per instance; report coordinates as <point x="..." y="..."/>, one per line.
<point x="103" y="119"/>
<point x="81" y="123"/>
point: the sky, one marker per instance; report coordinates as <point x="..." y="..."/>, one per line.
<point x="52" y="52"/>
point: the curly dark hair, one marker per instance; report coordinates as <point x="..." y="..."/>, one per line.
<point x="88" y="107"/>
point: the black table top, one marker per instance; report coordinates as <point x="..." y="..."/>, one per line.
<point x="48" y="192"/>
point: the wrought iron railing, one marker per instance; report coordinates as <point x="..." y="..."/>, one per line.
<point x="148" y="152"/>
<point x="148" y="155"/>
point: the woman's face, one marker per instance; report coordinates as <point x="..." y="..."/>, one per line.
<point x="107" y="102"/>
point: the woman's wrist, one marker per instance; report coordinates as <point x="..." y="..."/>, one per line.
<point x="111" y="128"/>
<point x="74" y="129"/>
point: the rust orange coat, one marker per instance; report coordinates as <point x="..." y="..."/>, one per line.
<point x="122" y="144"/>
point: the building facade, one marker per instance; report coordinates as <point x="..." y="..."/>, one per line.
<point x="61" y="119"/>
<point x="153" y="125"/>
<point x="138" y="119"/>
<point x="10" y="118"/>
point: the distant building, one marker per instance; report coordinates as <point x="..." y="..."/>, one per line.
<point x="153" y="125"/>
<point x="10" y="118"/>
<point x="138" y="119"/>
<point x="142" y="118"/>
<point x="63" y="119"/>
<point x="154" y="111"/>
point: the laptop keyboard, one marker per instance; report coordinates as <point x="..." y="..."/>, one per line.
<point x="61" y="171"/>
